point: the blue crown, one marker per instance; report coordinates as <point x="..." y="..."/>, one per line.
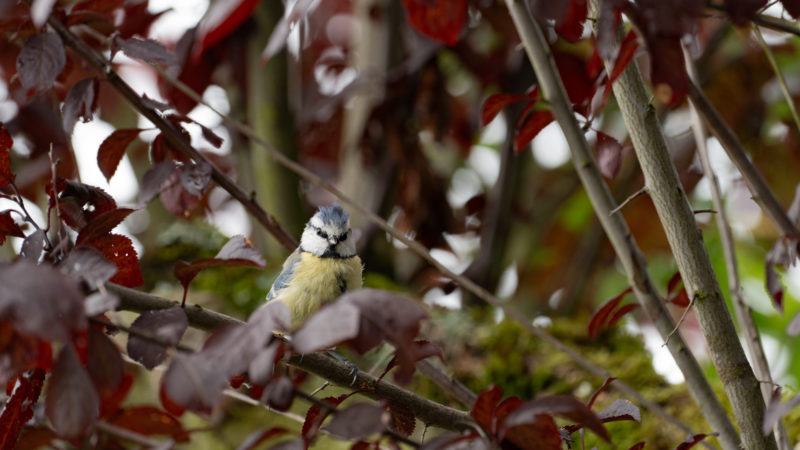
<point x="333" y="215"/>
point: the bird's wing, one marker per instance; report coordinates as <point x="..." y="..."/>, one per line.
<point x="285" y="276"/>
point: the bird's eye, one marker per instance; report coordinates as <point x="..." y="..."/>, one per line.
<point x="322" y="234"/>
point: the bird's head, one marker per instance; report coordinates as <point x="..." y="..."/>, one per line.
<point x="328" y="235"/>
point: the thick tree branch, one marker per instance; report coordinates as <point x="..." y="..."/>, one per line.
<point x="743" y="312"/>
<point x="614" y="224"/>
<point x="686" y="242"/>
<point x="428" y="411"/>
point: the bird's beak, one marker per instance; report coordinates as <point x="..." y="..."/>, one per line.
<point x="333" y="240"/>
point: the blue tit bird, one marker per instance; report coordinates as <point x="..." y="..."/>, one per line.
<point x="322" y="268"/>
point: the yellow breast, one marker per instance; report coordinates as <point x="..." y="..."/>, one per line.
<point x="316" y="281"/>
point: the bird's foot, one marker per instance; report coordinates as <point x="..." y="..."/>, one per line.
<point x="353" y="367"/>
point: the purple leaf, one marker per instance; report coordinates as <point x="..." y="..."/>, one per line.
<point x="32" y="246"/>
<point x="89" y="265"/>
<point x="357" y="421"/>
<point x="100" y="302"/>
<point x="327" y="327"/>
<point x="609" y="155"/>
<point x="562" y="405"/>
<point x="621" y="410"/>
<point x="72" y="403"/>
<point x="693" y="440"/>
<point x="40" y="300"/>
<point x="104" y="363"/>
<point x="166" y="324"/>
<point x="279" y="394"/>
<point x="147" y="50"/>
<point x="80" y="103"/>
<point x="153" y="179"/>
<point x="195" y="178"/>
<point x="774" y="286"/>
<point x="41" y="61"/>
<point x="260" y="369"/>
<point x="192" y="382"/>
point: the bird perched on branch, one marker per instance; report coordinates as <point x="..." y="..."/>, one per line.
<point x="322" y="268"/>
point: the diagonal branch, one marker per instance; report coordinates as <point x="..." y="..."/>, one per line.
<point x="614" y="224"/>
<point x="100" y="64"/>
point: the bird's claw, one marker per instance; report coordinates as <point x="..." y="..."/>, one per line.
<point x="353" y="367"/>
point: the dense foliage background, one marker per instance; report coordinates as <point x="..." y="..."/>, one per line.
<point x="425" y="119"/>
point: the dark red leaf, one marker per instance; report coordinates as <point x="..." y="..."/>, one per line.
<point x="137" y="19"/>
<point x="542" y="431"/>
<point x="258" y="437"/>
<point x="484" y="408"/>
<point x="691" y="441"/>
<point x="794" y="326"/>
<point x="776" y="410"/>
<point x="502" y="411"/>
<point x="620" y="313"/>
<point x="600" y="390"/>
<point x="357" y="421"/>
<point x="18" y="409"/>
<point x="221" y="19"/>
<point x="174" y="196"/>
<point x="315" y="415"/>
<point x="403" y="420"/>
<point x="571" y="26"/>
<point x="8" y="226"/>
<point x="440" y="20"/>
<point x="627" y="50"/>
<point x="89" y="265"/>
<point x="549" y="10"/>
<point x="495" y="103"/>
<point x="609" y="155"/>
<point x="5" y="157"/>
<point x="101" y="225"/>
<point x="148" y="420"/>
<point x="532" y="126"/>
<point x="327" y="327"/>
<point x="72" y="404"/>
<point x="774" y="286"/>
<point x="467" y="440"/>
<point x="21" y="352"/>
<point x="146" y="50"/>
<point x="119" y="250"/>
<point x="166" y="324"/>
<point x="743" y="11"/>
<point x="561" y="405"/>
<point x="80" y="203"/>
<point x="667" y="69"/>
<point x="279" y="394"/>
<point x="104" y="362"/>
<point x="792" y="7"/>
<point x="209" y="135"/>
<point x="280" y="33"/>
<point x="638" y="446"/>
<point x="80" y="103"/>
<point x="153" y="180"/>
<point x="40" y="300"/>
<point x="600" y="316"/>
<point x="40" y="61"/>
<point x="113" y="149"/>
<point x="98" y="6"/>
<point x="192" y="383"/>
<point x="575" y="77"/>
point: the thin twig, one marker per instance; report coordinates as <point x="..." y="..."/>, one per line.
<point x="143" y="334"/>
<point x="126" y="434"/>
<point x="680" y="321"/>
<point x="779" y="75"/>
<point x="630" y="198"/>
<point x="766" y="21"/>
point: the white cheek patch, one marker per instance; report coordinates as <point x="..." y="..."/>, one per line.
<point x="316" y="222"/>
